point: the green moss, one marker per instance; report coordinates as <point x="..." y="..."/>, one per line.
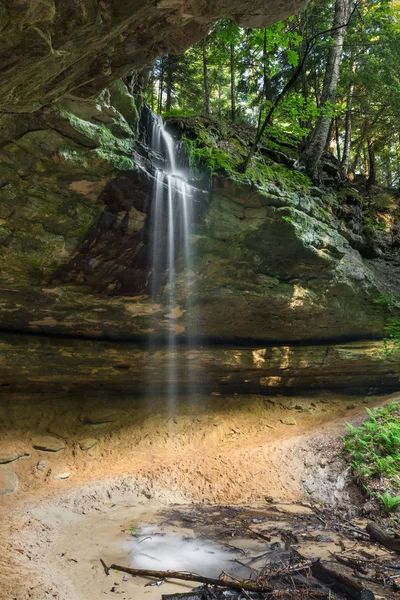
<point x="350" y="194"/>
<point x="205" y="153"/>
<point x="208" y="157"/>
<point x="99" y="134"/>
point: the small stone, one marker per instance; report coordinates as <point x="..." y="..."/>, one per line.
<point x="49" y="444"/>
<point x="8" y="482"/>
<point x="87" y="444"/>
<point x="300" y="408"/>
<point x="42" y="465"/>
<point x="62" y="475"/>
<point x="102" y="417"/>
<point x="275" y="546"/>
<point x="323" y="538"/>
<point x="289" y="421"/>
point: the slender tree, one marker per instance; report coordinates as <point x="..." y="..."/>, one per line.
<point x="319" y="136"/>
<point x="207" y="105"/>
<point x="348" y="121"/>
<point x="233" y="83"/>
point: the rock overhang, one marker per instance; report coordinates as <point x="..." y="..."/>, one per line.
<point x="51" y="48"/>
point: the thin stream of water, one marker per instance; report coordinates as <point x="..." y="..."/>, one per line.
<point x="171" y="232"/>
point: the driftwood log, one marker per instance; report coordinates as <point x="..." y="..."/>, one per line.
<point x="341" y="583"/>
<point x="234" y="585"/>
<point x="378" y="535"/>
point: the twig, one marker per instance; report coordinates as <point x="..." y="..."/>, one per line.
<point x="106" y="569"/>
<point x="266" y="538"/>
<point x="240" y="585"/>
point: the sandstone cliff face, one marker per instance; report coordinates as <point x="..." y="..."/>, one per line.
<point x="76" y="183"/>
<point x="271" y="264"/>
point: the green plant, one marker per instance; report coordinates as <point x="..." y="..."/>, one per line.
<point x="350" y="194"/>
<point x="392" y="330"/>
<point x="383" y="201"/>
<point x="390" y="503"/>
<point x="373" y="450"/>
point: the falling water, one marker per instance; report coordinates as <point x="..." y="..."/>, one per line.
<point x="171" y="231"/>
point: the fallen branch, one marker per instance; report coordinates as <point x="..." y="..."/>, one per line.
<point x="239" y="585"/>
<point x="341" y="583"/>
<point x="378" y="535"/>
<point x="106" y="569"/>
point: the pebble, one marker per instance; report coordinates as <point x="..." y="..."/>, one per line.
<point x="289" y="421"/>
<point x="87" y="444"/>
<point x="8" y="482"/>
<point x="42" y="465"/>
<point x="62" y="475"/>
<point x="49" y="444"/>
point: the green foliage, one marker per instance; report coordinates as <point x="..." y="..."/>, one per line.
<point x="390" y="503"/>
<point x="392" y="331"/>
<point x="221" y="150"/>
<point x="244" y="72"/>
<point x="383" y="201"/>
<point x="382" y="300"/>
<point x="350" y="194"/>
<point x="374" y="452"/>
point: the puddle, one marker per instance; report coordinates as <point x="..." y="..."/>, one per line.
<point x="167" y="549"/>
<point x="206" y="540"/>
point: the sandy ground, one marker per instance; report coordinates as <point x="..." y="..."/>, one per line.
<point x="230" y="450"/>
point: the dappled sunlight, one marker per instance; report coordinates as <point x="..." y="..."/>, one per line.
<point x="259" y="357"/>
<point x="299" y="296"/>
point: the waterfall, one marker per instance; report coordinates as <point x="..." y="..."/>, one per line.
<point x="171" y="227"/>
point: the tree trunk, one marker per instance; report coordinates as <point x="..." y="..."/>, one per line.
<point x="337" y="136"/>
<point x="319" y="136"/>
<point x="267" y="87"/>
<point x="348" y="125"/>
<point x="372" y="163"/>
<point x="207" y="108"/>
<point x="233" y="84"/>
<point x="357" y="156"/>
<point x="389" y="176"/>
<point x="169" y="82"/>
<point x="161" y="86"/>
